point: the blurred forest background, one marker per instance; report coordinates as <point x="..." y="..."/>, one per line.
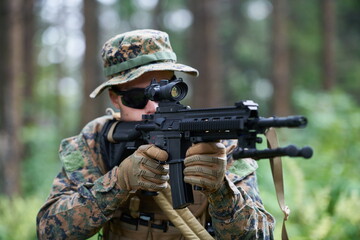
<point x="291" y="57"/>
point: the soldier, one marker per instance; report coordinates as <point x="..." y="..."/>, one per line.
<point x="93" y="192"/>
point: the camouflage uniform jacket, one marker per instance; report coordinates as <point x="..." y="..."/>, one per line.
<point x="85" y="197"/>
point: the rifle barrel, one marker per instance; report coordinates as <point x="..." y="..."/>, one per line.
<point x="291" y="151"/>
<point x="290" y="122"/>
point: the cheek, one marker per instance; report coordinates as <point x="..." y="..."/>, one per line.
<point x="130" y="114"/>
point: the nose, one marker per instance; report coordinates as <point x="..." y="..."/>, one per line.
<point x="151" y="107"/>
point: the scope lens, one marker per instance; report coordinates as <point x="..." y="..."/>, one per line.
<point x="175" y="92"/>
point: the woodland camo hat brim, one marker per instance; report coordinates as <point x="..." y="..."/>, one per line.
<point x="129" y="55"/>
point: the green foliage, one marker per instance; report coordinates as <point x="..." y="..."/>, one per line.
<point x="17" y="217"/>
<point x="305" y="44"/>
<point x="42" y="162"/>
<point x="322" y="192"/>
<point x="18" y="214"/>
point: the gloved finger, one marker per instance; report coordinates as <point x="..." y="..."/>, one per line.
<point x="203" y="172"/>
<point x="152" y="151"/>
<point x="150" y="176"/>
<point x="209" y="148"/>
<point x="201" y="182"/>
<point x="159" y="179"/>
<point x="152" y="187"/>
<point x="230" y="148"/>
<point x="154" y="166"/>
<point x="204" y="160"/>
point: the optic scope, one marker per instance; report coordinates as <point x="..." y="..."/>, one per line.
<point x="164" y="90"/>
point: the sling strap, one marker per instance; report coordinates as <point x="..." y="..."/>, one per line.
<point x="276" y="170"/>
<point x="183" y="219"/>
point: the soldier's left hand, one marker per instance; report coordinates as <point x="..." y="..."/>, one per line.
<point x="205" y="165"/>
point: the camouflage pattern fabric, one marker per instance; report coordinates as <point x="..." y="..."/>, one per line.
<point x="85" y="197"/>
<point x="129" y="55"/>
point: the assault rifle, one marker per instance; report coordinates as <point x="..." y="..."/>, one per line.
<point x="175" y="127"/>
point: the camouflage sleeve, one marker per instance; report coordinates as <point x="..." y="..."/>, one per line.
<point x="238" y="213"/>
<point x="78" y="212"/>
<point x="236" y="208"/>
<point x="82" y="198"/>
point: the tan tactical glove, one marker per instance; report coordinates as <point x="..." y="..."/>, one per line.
<point x="143" y="170"/>
<point x="205" y="165"/>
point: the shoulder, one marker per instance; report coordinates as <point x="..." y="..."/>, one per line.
<point x="241" y="168"/>
<point x="96" y="125"/>
<point x="83" y="151"/>
<point x="87" y="135"/>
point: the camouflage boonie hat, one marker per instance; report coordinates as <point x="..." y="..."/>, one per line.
<point x="129" y="55"/>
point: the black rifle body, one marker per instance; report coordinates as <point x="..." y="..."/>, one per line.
<point x="174" y="128"/>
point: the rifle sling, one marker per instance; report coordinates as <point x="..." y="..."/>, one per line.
<point x="183" y="219"/>
<point x="276" y="170"/>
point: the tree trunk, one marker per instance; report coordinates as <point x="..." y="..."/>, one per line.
<point x="234" y="11"/>
<point x="29" y="61"/>
<point x="4" y="41"/>
<point x="11" y="145"/>
<point x="4" y="50"/>
<point x="328" y="50"/>
<point x="204" y="53"/>
<point x="29" y="71"/>
<point x="280" y="60"/>
<point x="158" y="15"/>
<point x="91" y="70"/>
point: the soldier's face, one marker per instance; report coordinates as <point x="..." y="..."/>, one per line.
<point x="133" y="114"/>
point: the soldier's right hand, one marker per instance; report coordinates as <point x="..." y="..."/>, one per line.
<point x="143" y="170"/>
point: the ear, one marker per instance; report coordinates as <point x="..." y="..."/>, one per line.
<point x="115" y="99"/>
